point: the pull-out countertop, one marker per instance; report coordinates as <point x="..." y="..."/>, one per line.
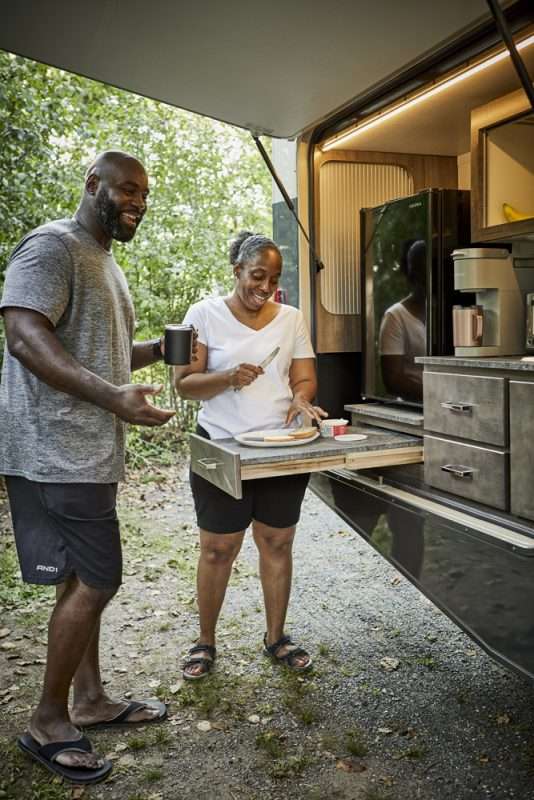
<point x="504" y="363"/>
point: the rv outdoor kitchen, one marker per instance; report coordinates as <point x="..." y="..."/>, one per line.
<point x="422" y="213"/>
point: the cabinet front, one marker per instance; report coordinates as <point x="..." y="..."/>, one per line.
<point x="466" y="406"/>
<point x="476" y="473"/>
<point x="522" y="448"/>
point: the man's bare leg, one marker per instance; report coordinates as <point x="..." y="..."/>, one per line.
<point x="91" y="704"/>
<point x="70" y="629"/>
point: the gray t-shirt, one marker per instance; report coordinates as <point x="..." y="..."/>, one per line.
<point x="62" y="272"/>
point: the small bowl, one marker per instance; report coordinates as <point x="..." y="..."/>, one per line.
<point x="333" y="427"/>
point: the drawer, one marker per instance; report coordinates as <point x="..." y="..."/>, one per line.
<point x="521" y="449"/>
<point x="476" y="473"/>
<point x="226" y="463"/>
<point x="466" y="406"/>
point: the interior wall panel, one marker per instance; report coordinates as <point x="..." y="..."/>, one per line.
<point x="345" y="188"/>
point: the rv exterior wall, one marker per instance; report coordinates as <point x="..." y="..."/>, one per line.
<point x="285" y="228"/>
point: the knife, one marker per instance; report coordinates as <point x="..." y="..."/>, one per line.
<point x="266" y="361"/>
<point x="264" y="364"/>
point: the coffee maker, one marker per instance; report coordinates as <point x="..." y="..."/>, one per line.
<point x="500" y="291"/>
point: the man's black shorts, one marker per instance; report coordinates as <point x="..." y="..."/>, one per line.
<point x="64" y="529"/>
<point x="274" y="501"/>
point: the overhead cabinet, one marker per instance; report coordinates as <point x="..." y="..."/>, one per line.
<point x="502" y="164"/>
<point x="226" y="463"/>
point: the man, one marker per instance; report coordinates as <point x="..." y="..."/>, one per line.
<point x="65" y="397"/>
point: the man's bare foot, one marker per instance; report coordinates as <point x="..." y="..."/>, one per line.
<point x="106" y="710"/>
<point x="65" y="732"/>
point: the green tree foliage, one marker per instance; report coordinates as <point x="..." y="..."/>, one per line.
<point x="207" y="181"/>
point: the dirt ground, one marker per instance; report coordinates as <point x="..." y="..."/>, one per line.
<point x="400" y="703"/>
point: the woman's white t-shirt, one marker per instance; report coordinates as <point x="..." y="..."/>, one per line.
<point x="264" y="404"/>
<point x="402" y="334"/>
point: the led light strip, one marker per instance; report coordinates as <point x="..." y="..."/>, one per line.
<point x="440" y="87"/>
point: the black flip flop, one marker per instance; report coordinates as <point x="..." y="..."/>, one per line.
<point x="121" y="720"/>
<point x="47" y="754"/>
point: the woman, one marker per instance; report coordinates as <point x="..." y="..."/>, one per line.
<point x="235" y="334"/>
<point x="402" y="335"/>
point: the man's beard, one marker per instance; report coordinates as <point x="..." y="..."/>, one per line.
<point x="108" y="215"/>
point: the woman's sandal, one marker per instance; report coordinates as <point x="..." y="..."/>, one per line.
<point x="290" y="658"/>
<point x="192" y="660"/>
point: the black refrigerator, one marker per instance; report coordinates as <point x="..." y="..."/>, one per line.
<point x="407" y="285"/>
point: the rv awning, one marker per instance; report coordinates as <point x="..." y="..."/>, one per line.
<point x="273" y="67"/>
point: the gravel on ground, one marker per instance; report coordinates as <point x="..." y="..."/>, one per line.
<point x="400" y="703"/>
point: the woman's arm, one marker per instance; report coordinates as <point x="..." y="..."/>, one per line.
<point x="303" y="383"/>
<point x="192" y="382"/>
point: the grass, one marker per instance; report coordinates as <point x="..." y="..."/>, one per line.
<point x="152" y="774"/>
<point x="13" y="592"/>
<point x="290" y="766"/>
<point x="137" y="743"/>
<point x="216" y="696"/>
<point x="375" y="794"/>
<point x="426" y="661"/>
<point x="348" y="743"/>
<point x="355" y="744"/>
<point x="296" y="694"/>
<point x="413" y="752"/>
<point x="280" y="764"/>
<point x="162" y="736"/>
<point x="270" y="742"/>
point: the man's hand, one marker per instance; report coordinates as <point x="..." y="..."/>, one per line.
<point x="131" y="405"/>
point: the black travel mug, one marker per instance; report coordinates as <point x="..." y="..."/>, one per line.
<point x="178" y="344"/>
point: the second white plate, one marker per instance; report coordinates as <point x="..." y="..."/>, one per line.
<point x="250" y="438"/>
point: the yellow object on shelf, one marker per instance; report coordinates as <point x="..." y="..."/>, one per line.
<point x="511" y="214"/>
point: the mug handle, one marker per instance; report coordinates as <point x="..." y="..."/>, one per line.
<point x="478" y="321"/>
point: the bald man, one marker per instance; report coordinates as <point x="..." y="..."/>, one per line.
<point x="65" y="397"/>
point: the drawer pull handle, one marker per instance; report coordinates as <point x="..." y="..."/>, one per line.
<point x="209" y="463"/>
<point x="458" y="408"/>
<point x="458" y="471"/>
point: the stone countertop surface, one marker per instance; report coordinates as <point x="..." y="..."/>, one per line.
<point x="504" y="363"/>
<point x="321" y="447"/>
<point x="392" y="413"/>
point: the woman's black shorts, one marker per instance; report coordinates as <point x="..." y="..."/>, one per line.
<point x="274" y="501"/>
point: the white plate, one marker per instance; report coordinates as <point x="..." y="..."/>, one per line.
<point x="350" y="437"/>
<point x="248" y="438"/>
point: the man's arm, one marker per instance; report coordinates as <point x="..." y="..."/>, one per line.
<point x="31" y="339"/>
<point x="146" y="353"/>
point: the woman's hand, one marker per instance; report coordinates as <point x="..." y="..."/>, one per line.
<point x="300" y="405"/>
<point x="243" y="375"/>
